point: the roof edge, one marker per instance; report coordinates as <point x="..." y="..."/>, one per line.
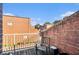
<point x="75" y="13"/>
<point x="17" y="16"/>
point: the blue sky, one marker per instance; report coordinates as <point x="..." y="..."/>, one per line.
<point x="40" y="12"/>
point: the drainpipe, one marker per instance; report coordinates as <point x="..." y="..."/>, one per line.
<point x="28" y="32"/>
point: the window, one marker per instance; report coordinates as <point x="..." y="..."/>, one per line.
<point x="9" y="23"/>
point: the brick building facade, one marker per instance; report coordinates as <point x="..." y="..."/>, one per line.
<point x="18" y="33"/>
<point x="64" y="35"/>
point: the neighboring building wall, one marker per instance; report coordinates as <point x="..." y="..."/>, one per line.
<point x="0" y="27"/>
<point x="65" y="34"/>
<point x="19" y="32"/>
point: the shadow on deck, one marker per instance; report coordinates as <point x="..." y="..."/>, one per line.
<point x="35" y="50"/>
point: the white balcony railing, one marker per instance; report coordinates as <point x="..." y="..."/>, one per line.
<point x="23" y="40"/>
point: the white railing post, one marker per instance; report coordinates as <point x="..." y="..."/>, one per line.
<point x="14" y="38"/>
<point x="14" y="42"/>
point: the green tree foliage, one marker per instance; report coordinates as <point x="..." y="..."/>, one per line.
<point x="47" y="23"/>
<point x="37" y="26"/>
<point x="56" y="21"/>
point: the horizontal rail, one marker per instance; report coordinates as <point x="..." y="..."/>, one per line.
<point x="21" y="34"/>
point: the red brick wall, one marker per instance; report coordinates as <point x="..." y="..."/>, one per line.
<point x="65" y="35"/>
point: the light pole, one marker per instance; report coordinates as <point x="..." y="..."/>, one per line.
<point x="49" y="38"/>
